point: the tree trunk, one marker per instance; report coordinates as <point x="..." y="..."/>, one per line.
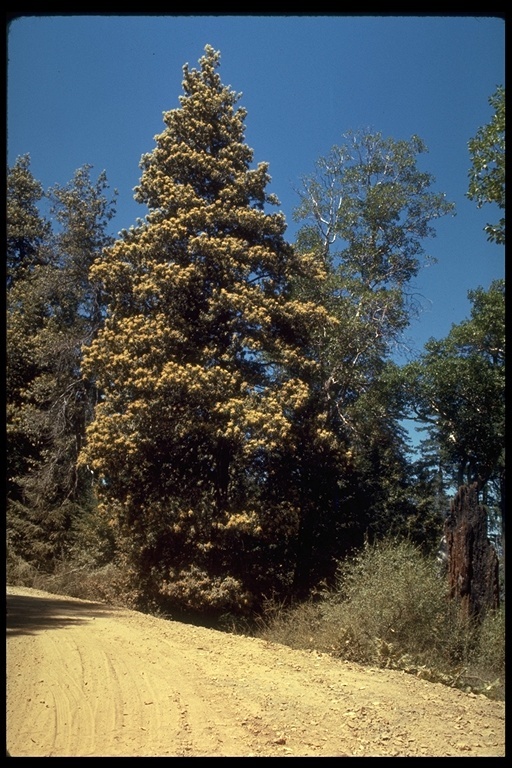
<point x="472" y="560"/>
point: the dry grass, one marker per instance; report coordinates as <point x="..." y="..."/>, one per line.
<point x="103" y="584"/>
<point x="390" y="609"/>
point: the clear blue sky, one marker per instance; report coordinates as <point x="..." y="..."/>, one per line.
<point x="91" y="89"/>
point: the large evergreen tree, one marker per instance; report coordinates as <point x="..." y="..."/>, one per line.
<point x="202" y="367"/>
<point x="53" y="310"/>
<point x="27" y="231"/>
<point x="28" y="236"/>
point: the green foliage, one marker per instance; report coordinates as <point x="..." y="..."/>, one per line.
<point x="487" y="173"/>
<point x="52" y="309"/>
<point x="395" y="498"/>
<point x="390" y="609"/>
<point x="393" y="596"/>
<point x="27" y="250"/>
<point x="38" y="534"/>
<point x="490" y="649"/>
<point x="367" y="210"/>
<point x="27" y="231"/>
<point x="457" y="390"/>
<point x="46" y="536"/>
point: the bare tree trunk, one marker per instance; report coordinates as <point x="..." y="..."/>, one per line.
<point x="472" y="560"/>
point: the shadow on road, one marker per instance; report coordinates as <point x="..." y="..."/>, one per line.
<point x="29" y="614"/>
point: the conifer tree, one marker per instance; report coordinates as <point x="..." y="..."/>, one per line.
<point x="27" y="231"/>
<point x="52" y="311"/>
<point x="203" y="365"/>
<point x="27" y="248"/>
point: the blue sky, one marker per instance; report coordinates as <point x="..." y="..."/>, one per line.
<point x="91" y="89"/>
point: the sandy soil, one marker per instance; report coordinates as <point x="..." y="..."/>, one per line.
<point x="86" y="680"/>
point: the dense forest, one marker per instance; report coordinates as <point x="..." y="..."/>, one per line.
<point x="219" y="412"/>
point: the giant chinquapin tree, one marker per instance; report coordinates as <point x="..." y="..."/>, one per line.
<point x="202" y="366"/>
<point x="367" y="210"/>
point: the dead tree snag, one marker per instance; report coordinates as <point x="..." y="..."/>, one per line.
<point x="472" y="560"/>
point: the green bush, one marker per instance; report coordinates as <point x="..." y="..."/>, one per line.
<point x="389" y="599"/>
<point x="490" y="651"/>
<point x="390" y="608"/>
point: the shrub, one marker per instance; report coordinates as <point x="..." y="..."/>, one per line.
<point x="105" y="584"/>
<point x="488" y="659"/>
<point x="389" y="599"/>
<point x="390" y="608"/>
<point x="195" y="590"/>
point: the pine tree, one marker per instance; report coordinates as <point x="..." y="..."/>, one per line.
<point x="27" y="231"/>
<point x="201" y="363"/>
<point x="28" y="237"/>
<point x="52" y="311"/>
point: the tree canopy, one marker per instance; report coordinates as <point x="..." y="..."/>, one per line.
<point x="52" y="310"/>
<point x="367" y="208"/>
<point x="456" y="388"/>
<point x="201" y="359"/>
<point x="487" y="172"/>
<point x="217" y="411"/>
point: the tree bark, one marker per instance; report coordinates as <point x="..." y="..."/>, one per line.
<point x="472" y="560"/>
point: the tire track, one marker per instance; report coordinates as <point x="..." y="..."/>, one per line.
<point x="86" y="680"/>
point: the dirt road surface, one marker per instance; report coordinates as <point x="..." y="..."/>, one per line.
<point x="87" y="680"/>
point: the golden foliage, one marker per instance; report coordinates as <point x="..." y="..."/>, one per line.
<point x="202" y="351"/>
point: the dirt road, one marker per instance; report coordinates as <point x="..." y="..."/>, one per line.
<point x="86" y="680"/>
